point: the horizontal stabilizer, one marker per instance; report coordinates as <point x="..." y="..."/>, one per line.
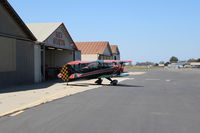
<point x="122" y="75"/>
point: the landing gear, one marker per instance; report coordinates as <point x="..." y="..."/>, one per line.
<point x="112" y="82"/>
<point x="99" y="81"/>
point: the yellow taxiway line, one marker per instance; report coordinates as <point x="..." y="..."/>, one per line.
<point x="17" y="113"/>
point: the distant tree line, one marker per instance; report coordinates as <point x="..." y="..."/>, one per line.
<point x="173" y="59"/>
<point x="194" y="60"/>
<point x="147" y="63"/>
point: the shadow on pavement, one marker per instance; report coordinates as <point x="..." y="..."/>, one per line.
<point x="82" y="85"/>
<point x="29" y="87"/>
<point x="125" y="85"/>
<point x="87" y="85"/>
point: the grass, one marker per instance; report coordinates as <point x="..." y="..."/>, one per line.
<point x="142" y="67"/>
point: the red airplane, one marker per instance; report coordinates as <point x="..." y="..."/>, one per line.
<point x="99" y="69"/>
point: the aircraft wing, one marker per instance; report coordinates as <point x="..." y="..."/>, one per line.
<point x="84" y="62"/>
<point x="98" y="61"/>
<point x="117" y="61"/>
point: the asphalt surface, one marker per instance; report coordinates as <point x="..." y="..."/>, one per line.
<point x="160" y="101"/>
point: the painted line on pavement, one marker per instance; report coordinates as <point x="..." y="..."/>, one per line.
<point x="17" y="113"/>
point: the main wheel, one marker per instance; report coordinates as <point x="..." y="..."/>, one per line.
<point x="99" y="81"/>
<point x="114" y="82"/>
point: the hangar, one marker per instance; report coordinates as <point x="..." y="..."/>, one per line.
<point x="115" y="52"/>
<point x="95" y="50"/>
<point x="17" y="49"/>
<point x="57" y="47"/>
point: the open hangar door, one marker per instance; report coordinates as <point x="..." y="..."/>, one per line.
<point x="54" y="61"/>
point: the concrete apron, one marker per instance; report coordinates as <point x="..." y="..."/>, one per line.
<point x="14" y="102"/>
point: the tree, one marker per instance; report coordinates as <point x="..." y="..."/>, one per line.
<point x="167" y="63"/>
<point x="173" y="59"/>
<point x="192" y="60"/>
<point x="161" y="62"/>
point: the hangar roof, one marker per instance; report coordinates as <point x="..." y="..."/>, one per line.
<point x="17" y="18"/>
<point x="93" y="47"/>
<point x="114" y="49"/>
<point x="43" y="30"/>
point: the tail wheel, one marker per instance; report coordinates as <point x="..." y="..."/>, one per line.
<point x="66" y="72"/>
<point x="114" y="82"/>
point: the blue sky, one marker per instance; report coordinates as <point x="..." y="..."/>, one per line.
<point x="145" y="30"/>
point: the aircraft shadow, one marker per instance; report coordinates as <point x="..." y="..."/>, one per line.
<point x="119" y="85"/>
<point x="82" y="85"/>
<point x="125" y="85"/>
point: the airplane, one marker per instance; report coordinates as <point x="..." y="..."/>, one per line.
<point x="98" y="69"/>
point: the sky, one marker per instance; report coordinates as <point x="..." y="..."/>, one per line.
<point x="144" y="30"/>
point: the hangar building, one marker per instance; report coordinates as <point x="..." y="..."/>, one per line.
<point x="57" y="47"/>
<point x="115" y="52"/>
<point x="95" y="50"/>
<point x="17" y="49"/>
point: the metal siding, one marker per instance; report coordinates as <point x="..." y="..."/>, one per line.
<point x="24" y="66"/>
<point x="8" y="25"/>
<point x="7" y="54"/>
<point x="77" y="55"/>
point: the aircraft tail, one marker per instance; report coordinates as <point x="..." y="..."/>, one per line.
<point x="66" y="72"/>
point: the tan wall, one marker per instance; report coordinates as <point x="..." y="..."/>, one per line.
<point x="8" y="25"/>
<point x="195" y="63"/>
<point x="7" y="54"/>
<point x="89" y="57"/>
<point x="104" y="57"/>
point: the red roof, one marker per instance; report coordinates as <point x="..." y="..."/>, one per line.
<point x="114" y="48"/>
<point x="92" y="47"/>
<point x="98" y="61"/>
